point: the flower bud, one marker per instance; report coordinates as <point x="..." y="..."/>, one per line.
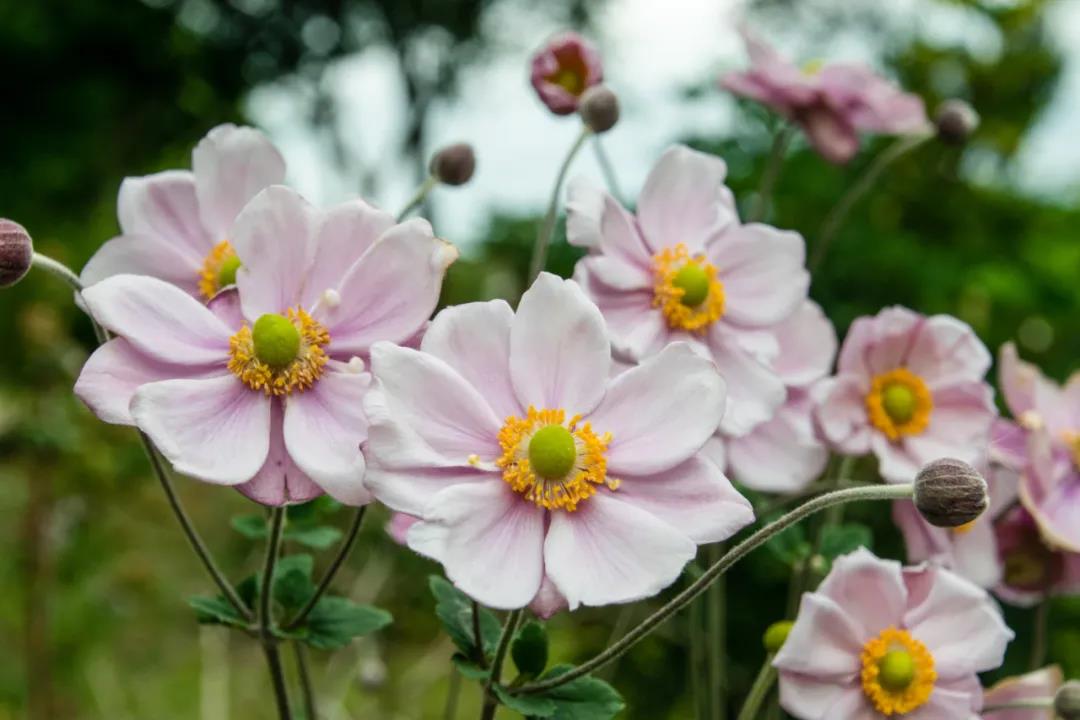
<point x="16" y="252"/>
<point x="599" y="108"/>
<point x="950" y="493"/>
<point x="956" y="121"/>
<point x="454" y="164"/>
<point x="1067" y="701"/>
<point x="775" y="636"/>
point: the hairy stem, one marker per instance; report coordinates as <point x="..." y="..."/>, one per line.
<point x="266" y="621"/>
<point x="491" y="703"/>
<point x="1031" y="704"/>
<point x="335" y="565"/>
<point x="759" y="690"/>
<point x="418" y="197"/>
<point x="547" y="228"/>
<point x="715" y="624"/>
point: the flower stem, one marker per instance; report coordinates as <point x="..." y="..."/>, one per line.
<point x="310" y="710"/>
<point x="759" y="690"/>
<point x="491" y="703"/>
<point x="715" y="624"/>
<point x="335" y="565"/>
<point x="606" y="168"/>
<point x="1038" y="635"/>
<point x="547" y="228"/>
<point x="418" y="197"/>
<point x="771" y="173"/>
<point x="839" y="214"/>
<point x="732" y="556"/>
<point x="266" y="633"/>
<point x="478" y="636"/>
<point x="1030" y="704"/>
<point x="698" y="665"/>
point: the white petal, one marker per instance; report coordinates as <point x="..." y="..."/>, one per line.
<point x="163" y="206"/>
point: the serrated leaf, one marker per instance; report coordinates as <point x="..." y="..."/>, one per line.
<point x="454" y="609"/>
<point x="527" y="705"/>
<point x="843" y="539"/>
<point x="530" y="649"/>
<point x="253" y="527"/>
<point x="586" y="698"/>
<point x="215" y="611"/>
<point x="319" y="537"/>
<point x="468" y="668"/>
<point x="335" y="621"/>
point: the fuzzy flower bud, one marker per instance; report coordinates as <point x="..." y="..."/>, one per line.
<point x="950" y="493"/>
<point x="956" y="121"/>
<point x="16" y="252"/>
<point x="454" y="164"/>
<point x="1067" y="701"/>
<point x="599" y="108"/>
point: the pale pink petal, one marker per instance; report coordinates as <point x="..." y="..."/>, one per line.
<point x="897" y="463"/>
<point x="342" y="235"/>
<point x="944" y="702"/>
<point x="852" y="704"/>
<point x="279" y="481"/>
<point x="226" y="305"/>
<point x="761" y="269"/>
<point x="160" y="320"/>
<point x="841" y="413"/>
<point x="946" y="351"/>
<point x="409" y="489"/>
<point x="871" y="103"/>
<point x="1032" y="686"/>
<point x="829" y="133"/>
<point x="1027" y="390"/>
<point x="782" y="455"/>
<point x="609" y="551"/>
<point x="559" y="351"/>
<point x="399" y="525"/>
<point x="825" y="641"/>
<point x="1008" y="444"/>
<point x="214" y="429"/>
<point x="548" y="600"/>
<point x="755" y="392"/>
<point x="960" y="425"/>
<point x="163" y="206"/>
<point x="584" y="210"/>
<point x="715" y="451"/>
<point x="390" y="292"/>
<point x="145" y="255"/>
<point x="808" y="698"/>
<point x="976" y="556"/>
<point x="636" y="328"/>
<point x="232" y="165"/>
<point x="871" y="591"/>
<point x="694" y="497"/>
<point x="807" y="346"/>
<point x="880" y="343"/>
<point x="474" y="339"/>
<point x="661" y="412"/>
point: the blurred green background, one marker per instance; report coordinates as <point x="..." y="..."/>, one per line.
<point x="93" y="620"/>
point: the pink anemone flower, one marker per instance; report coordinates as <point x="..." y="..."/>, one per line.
<point x="536" y="476"/>
<point x="564" y="68"/>
<point x="175" y="224"/>
<point x="910" y="389"/>
<point x="1037" y="685"/>
<point x="831" y="104"/>
<point x="878" y="641"/>
<point x="684" y="269"/>
<point x="1033" y="569"/>
<point x="263" y="389"/>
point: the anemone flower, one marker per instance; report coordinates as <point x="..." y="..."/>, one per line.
<point x="563" y="69"/>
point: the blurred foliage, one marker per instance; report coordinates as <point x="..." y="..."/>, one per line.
<point x="97" y="571"/>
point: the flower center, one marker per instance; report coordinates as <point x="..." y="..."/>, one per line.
<point x="280" y="354"/>
<point x="899" y="403"/>
<point x="686" y="289"/>
<point x="1072" y="441"/>
<point x="218" y="270"/>
<point x="897" y="672"/>
<point x="568" y="80"/>
<point x="553" y="463"/>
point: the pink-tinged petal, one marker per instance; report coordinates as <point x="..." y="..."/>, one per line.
<point x="1027" y="391"/>
<point x="871" y="103"/>
<point x="342" y="235"/>
<point x="584" y="213"/>
<point x="409" y="489"/>
<point x="116" y="370"/>
<point x="145" y="255"/>
<point x="807" y="341"/>
<point x="852" y="704"/>
<point x="1008" y="444"/>
<point x="636" y="328"/>
<point x="423" y="414"/>
<point x="825" y="642"/>
<point x="661" y="412"/>
<point x="1032" y="686"/>
<point x="963" y="417"/>
<point x="160" y="320"/>
<point x="971" y="553"/>
<point x="715" y="451"/>
<point x="959" y="624"/>
<point x="946" y="351"/>
<point x="474" y="339"/>
<point x="621" y="241"/>
<point x="694" y="497"/>
<point x="548" y="600"/>
<point x="391" y="291"/>
<point x="829" y="133"/>
<point x="755" y="392"/>
<point x="841" y="413"/>
<point x="808" y="698"/>
<point x="215" y="429"/>
<point x="880" y="343"/>
<point x="279" y="481"/>
<point x="559" y="351"/>
<point x="683" y="200"/>
<point x="492" y="542"/>
<point x="761" y="269"/>
<point x="771" y="79"/>
<point x="398" y="526"/>
<point x="871" y="591"/>
<point x="164" y="206"/>
<point x="897" y="463"/>
<point x="782" y="455"/>
<point x="232" y="165"/>
<point x="609" y="551"/>
<point x="226" y="305"/>
<point x="272" y="238"/>
<point x="944" y="702"/>
<point x="324" y="428"/>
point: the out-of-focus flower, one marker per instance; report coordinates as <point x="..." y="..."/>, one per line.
<point x="1037" y="685"/>
<point x="599" y="108"/>
<point x="535" y="474"/>
<point x="263" y="388"/>
<point x="877" y="640"/>
<point x="684" y="268"/>
<point x="832" y="104"/>
<point x="1032" y="569"/>
<point x="563" y="69"/>
<point x="177" y="225"/>
<point x="16" y="252"/>
<point x="910" y="389"/>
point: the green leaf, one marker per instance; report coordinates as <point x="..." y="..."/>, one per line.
<point x="842" y="539"/>
<point x="253" y="527"/>
<point x="454" y="609"/>
<point x="583" y="699"/>
<point x="468" y="668"/>
<point x="530" y="649"/>
<point x="319" y="537"/>
<point x="527" y="705"/>
<point x="335" y="621"/>
<point x="789" y="545"/>
<point x="215" y="611"/>
<point x="292" y="581"/>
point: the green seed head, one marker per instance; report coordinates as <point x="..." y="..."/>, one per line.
<point x="276" y="340"/>
<point x="776" y="635"/>
<point x="552" y="452"/>
<point x="897" y="670"/>
<point x="694" y="282"/>
<point x="226" y="274"/>
<point x="899" y="402"/>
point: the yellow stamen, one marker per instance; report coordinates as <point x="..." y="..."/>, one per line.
<point x="899" y="403"/>
<point x="897" y="672"/>
<point x="221" y="257"/>
<point x="965" y="528"/>
<point x="587" y="473"/>
<point x="298" y="375"/>
<point x="569" y="80"/>
<point x="1072" y="440"/>
<point x="675" y="274"/>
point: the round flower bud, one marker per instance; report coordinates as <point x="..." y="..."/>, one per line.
<point x="454" y="164"/>
<point x="1067" y="701"/>
<point x="16" y="252"/>
<point x="950" y="493"/>
<point x="956" y="121"/>
<point x="599" y="108"/>
<point x="775" y="636"/>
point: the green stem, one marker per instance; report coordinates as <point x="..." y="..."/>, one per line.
<point x="698" y="666"/>
<point x="418" y="197"/>
<point x="491" y="703"/>
<point x="759" y="690"/>
<point x="715" y="624"/>
<point x="771" y="173"/>
<point x="478" y="636"/>
<point x="310" y="710"/>
<point x="1038" y="635"/>
<point x="266" y="621"/>
<point x="839" y="214"/>
<point x="606" y="168"/>
<point x="335" y="565"/>
<point x="1030" y="704"/>
<point x="734" y="555"/>
<point x="547" y="228"/>
<point x="452" y="694"/>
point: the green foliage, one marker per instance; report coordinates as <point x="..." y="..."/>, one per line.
<point x="335" y="621"/>
<point x="530" y="649"/>
<point x="455" y="611"/>
<point x="304" y="525"/>
<point x="837" y="540"/>
<point x="586" y="698"/>
<point x="216" y="611"/>
<point x="790" y="545"/>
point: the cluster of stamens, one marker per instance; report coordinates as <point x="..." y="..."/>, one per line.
<point x="897" y="672"/>
<point x="686" y="289"/>
<point x="218" y="270"/>
<point x="280" y="354"/>
<point x="899" y="403"/>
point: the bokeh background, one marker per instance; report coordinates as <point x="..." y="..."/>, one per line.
<point x="357" y="93"/>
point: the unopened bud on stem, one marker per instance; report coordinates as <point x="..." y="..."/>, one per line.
<point x="16" y="252"/>
<point x="599" y="108"/>
<point x="956" y="121"/>
<point x="950" y="493"/>
<point x="454" y="164"/>
<point x="1067" y="701"/>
